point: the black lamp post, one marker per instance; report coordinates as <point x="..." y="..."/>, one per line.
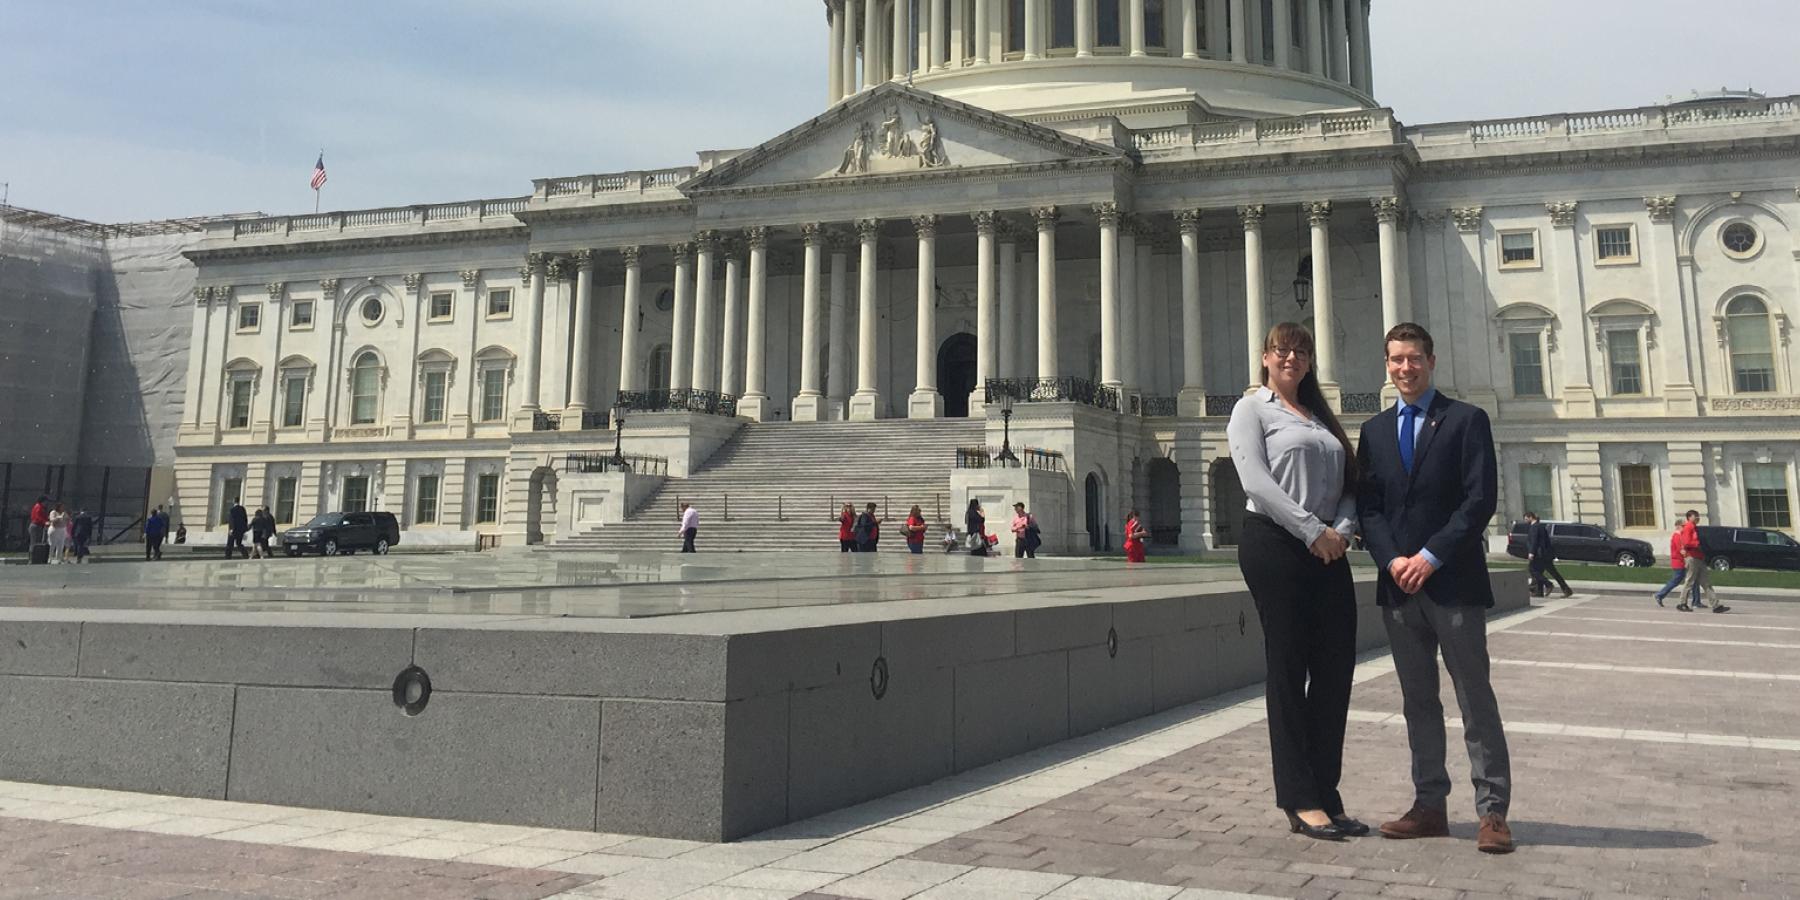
<point x="1303" y="283"/>
<point x="618" y="457"/>
<point x="1006" y="412"/>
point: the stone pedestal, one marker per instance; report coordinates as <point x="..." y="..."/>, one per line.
<point x="865" y="407"/>
<point x="925" y="405"/>
<point x="754" y="407"/>
<point x="811" y="408"/>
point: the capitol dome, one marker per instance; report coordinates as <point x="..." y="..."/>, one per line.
<point x="1148" y="62"/>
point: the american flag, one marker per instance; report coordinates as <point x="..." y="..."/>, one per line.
<point x="318" y="179"/>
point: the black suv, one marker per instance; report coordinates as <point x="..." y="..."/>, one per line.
<point x="1587" y="543"/>
<point x="329" y="534"/>
<point x="1755" y="548"/>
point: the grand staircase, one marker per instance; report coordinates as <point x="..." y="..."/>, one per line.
<point x="779" y="485"/>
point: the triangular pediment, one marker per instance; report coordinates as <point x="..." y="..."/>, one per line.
<point x="894" y="130"/>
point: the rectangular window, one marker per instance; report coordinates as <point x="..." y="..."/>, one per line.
<point x="1535" y="488"/>
<point x="499" y="304"/>
<point x="240" y="403"/>
<point x="1518" y="250"/>
<point x="356" y="493"/>
<point x="1296" y="15"/>
<point x="487" y="499"/>
<point x="1527" y="364"/>
<point x="1637" y="497"/>
<point x="249" y="317"/>
<point x="493" y="395"/>
<point x="431" y="408"/>
<point x="1622" y="356"/>
<point x="1766" y="496"/>
<point x="1015" y="26"/>
<point x="293" y="400"/>
<point x="442" y="305"/>
<point x="1266" y="25"/>
<point x="1156" y="24"/>
<point x="425" y="505"/>
<point x="1062" y="24"/>
<point x="230" y="490"/>
<point x="1110" y="19"/>
<point x="285" y="491"/>
<point x="1614" y="244"/>
<point x="301" y="318"/>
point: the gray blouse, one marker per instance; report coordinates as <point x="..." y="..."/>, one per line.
<point x="1292" y="469"/>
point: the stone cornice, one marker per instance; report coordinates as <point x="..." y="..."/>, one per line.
<point x="1637" y="155"/>
<point x="359" y="244"/>
<point x="1392" y="158"/>
<point x="606" y="211"/>
<point x="1003" y="171"/>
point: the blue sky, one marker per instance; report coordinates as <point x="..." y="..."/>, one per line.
<point x="124" y="110"/>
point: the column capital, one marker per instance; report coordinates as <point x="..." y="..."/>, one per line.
<point x="813" y="234"/>
<point x="328" y="287"/>
<point x="633" y="256"/>
<point x="1562" y="215"/>
<point x="1046" y="217"/>
<point x="555" y="267"/>
<point x="1468" y="218"/>
<point x="276" y="289"/>
<point x="1107" y="213"/>
<point x="987" y="222"/>
<point x="868" y="230"/>
<point x="1318" y="212"/>
<point x="683" y="253"/>
<point x="757" y="237"/>
<point x="583" y="260"/>
<point x="837" y="240"/>
<point x="1251" y="216"/>
<point x="534" y="264"/>
<point x="1661" y="209"/>
<point x="1187" y="221"/>
<point x="1388" y="210"/>
<point x="925" y="225"/>
<point x="706" y="241"/>
<point x="470" y="277"/>
<point x="412" y="280"/>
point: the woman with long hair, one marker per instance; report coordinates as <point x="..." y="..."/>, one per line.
<point x="1135" y="532"/>
<point x="1299" y="478"/>
<point x="847" y="529"/>
<point x="977" y="526"/>
<point x="915" y="531"/>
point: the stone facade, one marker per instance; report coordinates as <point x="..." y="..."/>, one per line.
<point x="1615" y="287"/>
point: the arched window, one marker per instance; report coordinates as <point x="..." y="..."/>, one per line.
<point x="1752" y="351"/>
<point x="365" y="389"/>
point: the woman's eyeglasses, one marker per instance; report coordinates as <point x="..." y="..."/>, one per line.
<point x="1285" y="352"/>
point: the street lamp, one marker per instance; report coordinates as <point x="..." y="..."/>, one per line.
<point x="1303" y="283"/>
<point x="618" y="457"/>
<point x="1006" y="413"/>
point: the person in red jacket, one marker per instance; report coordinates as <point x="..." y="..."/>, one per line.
<point x="1135" y="532"/>
<point x="847" y="529"/>
<point x="1697" y="579"/>
<point x="1677" y="563"/>
<point x="915" y="531"/>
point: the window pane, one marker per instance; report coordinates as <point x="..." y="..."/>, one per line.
<point x="1622" y="355"/>
<point x="230" y="491"/>
<point x="1015" y="26"/>
<point x="493" y="395"/>
<point x="440" y="305"/>
<point x="1614" y="243"/>
<point x="293" y="402"/>
<point x="240" y="403"/>
<point x="1752" y="361"/>
<point x="356" y="493"/>
<point x="1111" y="24"/>
<point x="435" y="383"/>
<point x="1155" y="24"/>
<point x="362" y="394"/>
<point x="425" y="506"/>
<point x="1766" y="496"/>
<point x="1268" y="29"/>
<point x="249" y="316"/>
<point x="1535" y="489"/>
<point x="487" y="499"/>
<point x="1062" y="23"/>
<point x="1518" y="248"/>
<point x="303" y="311"/>
<point x="1636" y="497"/>
<point x="285" y="490"/>
<point x="499" y="303"/>
<point x="1527" y="365"/>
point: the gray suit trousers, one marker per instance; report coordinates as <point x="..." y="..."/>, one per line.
<point x="1416" y="629"/>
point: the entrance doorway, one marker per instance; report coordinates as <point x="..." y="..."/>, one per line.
<point x="1165" y="501"/>
<point x="1228" y="504"/>
<point x="956" y="373"/>
<point x="1098" y="539"/>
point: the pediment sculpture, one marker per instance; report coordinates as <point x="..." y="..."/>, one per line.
<point x="893" y="148"/>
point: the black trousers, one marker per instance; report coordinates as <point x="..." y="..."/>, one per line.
<point x="1308" y="612"/>
<point x="153" y="547"/>
<point x="687" y="540"/>
<point x="235" y="540"/>
<point x="1541" y="573"/>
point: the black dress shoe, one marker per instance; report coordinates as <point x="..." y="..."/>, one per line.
<point x="1318" y="832"/>
<point x="1349" y="826"/>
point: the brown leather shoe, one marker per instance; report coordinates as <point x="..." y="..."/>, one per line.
<point x="1419" y="822"/>
<point x="1495" y="837"/>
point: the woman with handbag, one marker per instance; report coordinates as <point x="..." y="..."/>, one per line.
<point x="1135" y="532"/>
<point x="976" y="523"/>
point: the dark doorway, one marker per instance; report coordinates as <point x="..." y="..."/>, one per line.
<point x="956" y="373"/>
<point x="1096" y="515"/>
<point x="1165" y="501"/>
<point x="1228" y="504"/>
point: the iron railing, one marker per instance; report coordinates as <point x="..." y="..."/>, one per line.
<point x="632" y="462"/>
<point x="1221" y="404"/>
<point x="1029" y="458"/>
<point x="1160" y="406"/>
<point x="1051" y="390"/>
<point x="680" y="400"/>
<point x="595" y="420"/>
<point x="1369" y="403"/>
<point x="543" y="421"/>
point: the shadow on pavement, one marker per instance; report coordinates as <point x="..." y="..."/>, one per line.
<point x="1552" y="834"/>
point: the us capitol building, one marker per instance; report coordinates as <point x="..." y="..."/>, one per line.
<point x="1070" y="219"/>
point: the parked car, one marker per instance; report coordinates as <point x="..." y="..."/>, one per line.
<point x="1587" y="543"/>
<point x="329" y="534"/>
<point x="1728" y="548"/>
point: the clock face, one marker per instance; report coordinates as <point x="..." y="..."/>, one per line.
<point x="665" y="300"/>
<point x="1740" y="238"/>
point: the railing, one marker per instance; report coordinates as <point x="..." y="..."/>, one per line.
<point x="1254" y="131"/>
<point x="1029" y="458"/>
<point x="1612" y="121"/>
<point x="632" y="462"/>
<point x="1160" y="406"/>
<point x="543" y="421"/>
<point x="682" y="400"/>
<point x="1359" y="404"/>
<point x="611" y="183"/>
<point x="1221" y="404"/>
<point x="384" y="217"/>
<point x="1052" y="390"/>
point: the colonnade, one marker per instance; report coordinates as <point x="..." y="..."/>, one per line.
<point x="710" y="353"/>
<point x="872" y="41"/>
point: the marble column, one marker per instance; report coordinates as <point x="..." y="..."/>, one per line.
<point x="1356" y="23"/>
<point x="1339" y="51"/>
<point x="1007" y="361"/>
<point x="1318" y="215"/>
<point x="938" y="29"/>
<point x="871" y="46"/>
<point x="628" y="324"/>
<point x="705" y="374"/>
<point x="1315" y="43"/>
<point x="849" y="46"/>
<point x="987" y="340"/>
<point x="898" y="37"/>
<point x="1283" y="26"/>
<point x="809" y="404"/>
<point x="579" y="357"/>
<point x="1135" y="9"/>
<point x="1361" y="23"/>
<point x="834" y="79"/>
<point x="1034" y="34"/>
<point x="1190" y="29"/>
<point x="1139" y="357"/>
<point x="1240" y="32"/>
<point x="1387" y="224"/>
<point x="1256" y="312"/>
<point x="755" y="403"/>
<point x="837" y="353"/>
<point x="730" y="357"/>
<point x="926" y="402"/>
<point x="984" y="33"/>
<point x="534" y="335"/>
<point x="865" y="404"/>
<point x="680" y="341"/>
<point x="1108" y="216"/>
<point x="1192" y="399"/>
<point x="1084" y="28"/>
<point x="1046" y="217"/>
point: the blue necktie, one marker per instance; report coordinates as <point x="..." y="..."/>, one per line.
<point x="1407" y="415"/>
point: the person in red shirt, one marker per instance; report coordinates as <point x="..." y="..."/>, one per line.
<point x="915" y="531"/>
<point x="847" y="529"/>
<point x="1135" y="532"/>
<point x="1677" y="563"/>
<point x="40" y="521"/>
<point x="1697" y="579"/>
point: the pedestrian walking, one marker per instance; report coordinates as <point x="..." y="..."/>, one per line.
<point x="1540" y="557"/>
<point x="690" y="527"/>
<point x="262" y="529"/>
<point x="81" y="531"/>
<point x="40" y="521"/>
<point x="58" y="533"/>
<point x="915" y="531"/>
<point x="156" y="528"/>
<point x="1135" y="532"/>
<point x="237" y="524"/>
<point x="1677" y="562"/>
<point x="976" y="523"/>
<point x="867" y="532"/>
<point x="1699" y="579"/>
<point x="847" y="529"/>
<point x="1027" y="537"/>
<point x="1298" y="476"/>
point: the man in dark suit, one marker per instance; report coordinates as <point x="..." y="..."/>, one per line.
<point x="237" y="523"/>
<point x="1427" y="491"/>
<point x="1540" y="557"/>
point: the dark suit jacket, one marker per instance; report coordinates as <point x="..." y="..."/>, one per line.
<point x="1443" y="506"/>
<point x="1537" y="543"/>
<point x="239" y="521"/>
